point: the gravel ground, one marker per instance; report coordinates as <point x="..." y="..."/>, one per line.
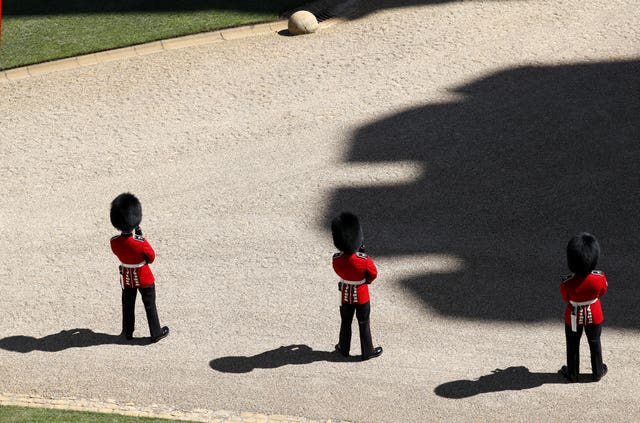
<point x="472" y="137"/>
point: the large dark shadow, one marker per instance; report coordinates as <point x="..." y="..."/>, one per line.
<point x="48" y="7"/>
<point x="323" y="9"/>
<point x="73" y="338"/>
<point x="290" y="354"/>
<point x="354" y="9"/>
<point x="526" y="158"/>
<point x="509" y="379"/>
<point x="361" y="8"/>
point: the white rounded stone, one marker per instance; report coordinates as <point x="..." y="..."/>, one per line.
<point x="302" y="22"/>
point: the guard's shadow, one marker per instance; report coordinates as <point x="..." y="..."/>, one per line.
<point x="73" y="338"/>
<point x="290" y="354"/>
<point x="514" y="378"/>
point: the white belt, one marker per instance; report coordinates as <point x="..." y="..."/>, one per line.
<point x="582" y="303"/>
<point x="574" y="316"/>
<point x="134" y="266"/>
<point x="354" y="283"/>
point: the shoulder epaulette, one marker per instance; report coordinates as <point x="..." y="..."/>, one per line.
<point x="138" y="238"/>
<point x="362" y="255"/>
<point x="114" y="237"/>
<point x="336" y="255"/>
<point x="597" y="272"/>
<point x="567" y="277"/>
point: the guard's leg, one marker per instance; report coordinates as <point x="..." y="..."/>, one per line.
<point x="366" y="343"/>
<point x="128" y="311"/>
<point x="346" y="317"/>
<point x="573" y="352"/>
<point x="593" y="333"/>
<point x="149" y="299"/>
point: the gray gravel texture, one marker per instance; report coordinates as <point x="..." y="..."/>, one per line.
<point x="472" y="137"/>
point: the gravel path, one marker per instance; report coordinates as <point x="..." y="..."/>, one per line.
<point x="462" y="132"/>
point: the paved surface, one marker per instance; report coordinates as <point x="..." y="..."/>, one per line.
<point x="433" y="121"/>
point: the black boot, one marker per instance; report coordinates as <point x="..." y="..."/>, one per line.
<point x="341" y="351"/>
<point x="164" y="334"/>
<point x="605" y="369"/>
<point x="376" y="352"/>
<point x="564" y="371"/>
<point x="366" y="344"/>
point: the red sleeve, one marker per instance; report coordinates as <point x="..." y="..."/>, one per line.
<point x="372" y="271"/>
<point x="149" y="254"/>
<point x="605" y="286"/>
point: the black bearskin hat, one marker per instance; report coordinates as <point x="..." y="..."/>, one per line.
<point x="347" y="233"/>
<point x="126" y="212"/>
<point x="583" y="252"/>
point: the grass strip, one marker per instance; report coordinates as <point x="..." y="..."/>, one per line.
<point x="14" y="414"/>
<point x="36" y="31"/>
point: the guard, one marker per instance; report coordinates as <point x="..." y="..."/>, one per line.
<point x="581" y="290"/>
<point x="135" y="255"/>
<point x="356" y="270"/>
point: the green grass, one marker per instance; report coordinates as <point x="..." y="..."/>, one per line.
<point x="12" y="414"/>
<point x="35" y="31"/>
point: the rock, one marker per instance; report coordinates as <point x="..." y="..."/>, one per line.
<point x="302" y="22"/>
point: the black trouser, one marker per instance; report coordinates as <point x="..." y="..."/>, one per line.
<point x="573" y="349"/>
<point x="362" y="312"/>
<point x="148" y="294"/>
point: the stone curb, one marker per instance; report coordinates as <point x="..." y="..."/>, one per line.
<point x="150" y="48"/>
<point x="157" y="411"/>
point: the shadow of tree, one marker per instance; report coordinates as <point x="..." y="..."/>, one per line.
<point x="323" y="9"/>
<point x="285" y="355"/>
<point x="524" y="160"/>
<point x="361" y="8"/>
<point x="355" y="9"/>
<point x="509" y="379"/>
<point x="73" y="338"/>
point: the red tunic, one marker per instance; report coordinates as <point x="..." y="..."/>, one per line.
<point x="134" y="249"/>
<point x="359" y="269"/>
<point x="578" y="289"/>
